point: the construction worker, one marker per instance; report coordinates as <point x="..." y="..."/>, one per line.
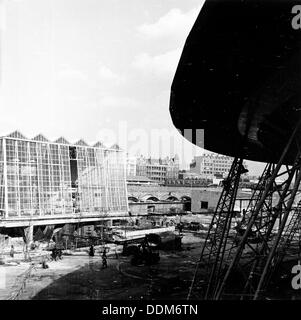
<point x="60" y="253"/>
<point x="226" y="184"/>
<point x="92" y="251"/>
<point x="54" y="254"/>
<point x="12" y="251"/>
<point x="104" y="259"/>
<point x="44" y="263"/>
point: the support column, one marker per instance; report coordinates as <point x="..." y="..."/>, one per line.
<point x="28" y="239"/>
<point x="5" y="178"/>
<point x="109" y="223"/>
<point x="28" y="234"/>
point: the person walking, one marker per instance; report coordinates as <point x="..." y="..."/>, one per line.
<point x="92" y="251"/>
<point x="12" y="251"/>
<point x="104" y="259"/>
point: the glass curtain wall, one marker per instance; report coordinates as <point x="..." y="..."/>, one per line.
<point x="101" y="175"/>
<point x="39" y="179"/>
<point x="2" y="187"/>
<point x="117" y="199"/>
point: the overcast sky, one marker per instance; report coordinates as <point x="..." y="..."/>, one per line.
<point x="94" y="69"/>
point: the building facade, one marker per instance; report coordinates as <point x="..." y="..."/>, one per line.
<point x="211" y="165"/>
<point x="206" y="200"/>
<point x="140" y="181"/>
<point x="158" y="169"/>
<point x="131" y="164"/>
<point x="189" y="179"/>
<point x="43" y="179"/>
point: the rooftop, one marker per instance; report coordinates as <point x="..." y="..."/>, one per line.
<point x="140" y="179"/>
<point x="41" y="138"/>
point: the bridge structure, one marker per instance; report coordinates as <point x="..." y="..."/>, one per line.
<point x="158" y="193"/>
<point x="167" y="198"/>
<point x="143" y="200"/>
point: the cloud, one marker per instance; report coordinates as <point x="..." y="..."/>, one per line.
<point x="118" y="102"/>
<point x="174" y="24"/>
<point x="162" y="65"/>
<point x="70" y="73"/>
<point x="104" y="73"/>
<point x="169" y="32"/>
<point x="107" y="74"/>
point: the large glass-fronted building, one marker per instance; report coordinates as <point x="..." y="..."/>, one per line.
<point x="39" y="178"/>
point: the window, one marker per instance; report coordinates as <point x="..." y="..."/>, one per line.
<point x="204" y="204"/>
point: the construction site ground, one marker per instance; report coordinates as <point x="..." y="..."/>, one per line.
<point x="79" y="276"/>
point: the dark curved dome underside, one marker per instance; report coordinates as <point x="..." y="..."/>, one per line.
<point x="239" y="79"/>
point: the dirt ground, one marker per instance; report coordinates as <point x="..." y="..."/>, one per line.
<point x="79" y="276"/>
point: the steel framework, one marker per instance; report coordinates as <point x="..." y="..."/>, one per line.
<point x="254" y="259"/>
<point x="214" y="248"/>
<point x="262" y="238"/>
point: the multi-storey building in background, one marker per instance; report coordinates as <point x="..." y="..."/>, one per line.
<point x="189" y="179"/>
<point x="211" y="165"/>
<point x="158" y="169"/>
<point x="131" y="166"/>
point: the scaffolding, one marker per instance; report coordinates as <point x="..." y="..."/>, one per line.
<point x="214" y="248"/>
<point x="263" y="238"/>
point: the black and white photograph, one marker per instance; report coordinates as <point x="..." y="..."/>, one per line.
<point x="150" y="151"/>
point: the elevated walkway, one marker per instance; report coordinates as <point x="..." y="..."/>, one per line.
<point x="13" y="222"/>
